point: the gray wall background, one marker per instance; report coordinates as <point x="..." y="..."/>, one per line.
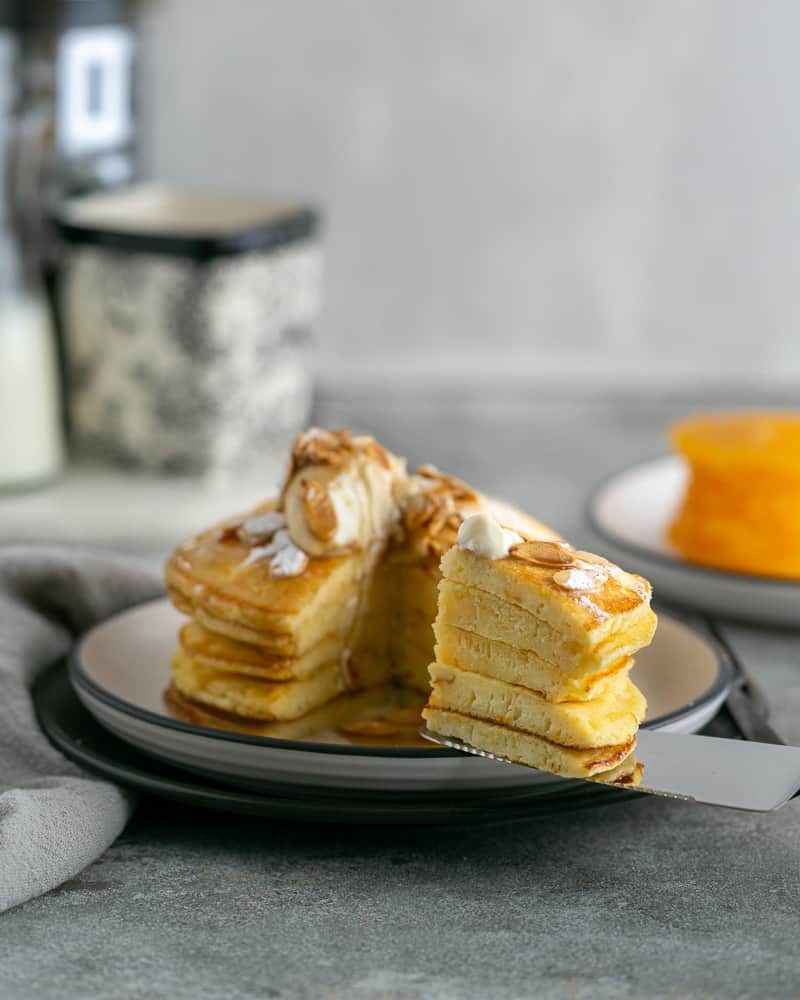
<point x="522" y="188"/>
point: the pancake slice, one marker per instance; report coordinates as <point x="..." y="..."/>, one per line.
<point x="211" y="649"/>
<point x="250" y="697"/>
<point x="462" y="648"/>
<point x="253" y="698"/>
<point x="211" y="580"/>
<point x="525" y="748"/>
<point x="522" y="626"/>
<point x="580" y="655"/>
<point x="333" y="588"/>
<point x="610" y="719"/>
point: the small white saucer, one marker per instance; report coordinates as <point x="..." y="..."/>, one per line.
<point x="631" y="512"/>
<point x="121" y="668"/>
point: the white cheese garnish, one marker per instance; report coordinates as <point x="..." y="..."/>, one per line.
<point x="260" y="527"/>
<point x="483" y="535"/>
<point x="581" y="579"/>
<point x="286" y="559"/>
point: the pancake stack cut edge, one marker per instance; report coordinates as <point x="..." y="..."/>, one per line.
<point x="533" y="654"/>
<point x="322" y="600"/>
<point x="329" y="590"/>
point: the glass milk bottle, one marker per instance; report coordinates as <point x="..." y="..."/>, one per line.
<point x="31" y="449"/>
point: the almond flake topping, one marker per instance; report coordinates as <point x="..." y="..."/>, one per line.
<point x="441" y="483"/>
<point x="545" y="553"/>
<point x="432" y="518"/>
<point x="321" y="447"/>
<point x="376" y="452"/>
<point x="319" y="511"/>
<point x="628" y="581"/>
<point x="427" y="510"/>
<point x="432" y="515"/>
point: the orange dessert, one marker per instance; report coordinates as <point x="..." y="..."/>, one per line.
<point x="741" y="511"/>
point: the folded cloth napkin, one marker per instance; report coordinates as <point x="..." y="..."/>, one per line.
<point x="55" y="818"/>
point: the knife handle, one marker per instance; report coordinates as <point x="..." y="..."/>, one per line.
<point x="747" y="717"/>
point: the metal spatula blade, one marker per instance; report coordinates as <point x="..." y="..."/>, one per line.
<point x="737" y="774"/>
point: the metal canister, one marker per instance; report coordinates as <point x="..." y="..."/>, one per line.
<point x="186" y="320"/>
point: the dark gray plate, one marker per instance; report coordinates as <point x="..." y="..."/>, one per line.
<point x="74" y="731"/>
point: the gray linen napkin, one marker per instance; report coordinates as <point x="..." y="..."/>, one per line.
<point x="55" y="818"/>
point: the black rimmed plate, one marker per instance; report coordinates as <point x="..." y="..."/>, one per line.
<point x="80" y="737"/>
<point x="121" y="668"/>
<point x="631" y="512"/>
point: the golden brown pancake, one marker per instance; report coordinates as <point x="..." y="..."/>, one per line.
<point x="471" y="651"/>
<point x="533" y="653"/>
<point x="519" y="602"/>
<point x="209" y="578"/>
<point x="212" y="649"/>
<point x="301" y="603"/>
<point x="525" y="748"/>
<point x="254" y="698"/>
<point x="604" y="721"/>
<point x="369" y="606"/>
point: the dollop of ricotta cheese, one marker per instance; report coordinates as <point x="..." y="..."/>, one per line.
<point x="485" y="536"/>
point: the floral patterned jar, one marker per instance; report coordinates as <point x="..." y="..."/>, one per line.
<point x="186" y="323"/>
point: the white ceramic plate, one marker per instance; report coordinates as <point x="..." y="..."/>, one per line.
<point x="631" y="512"/>
<point x="121" y="668"/>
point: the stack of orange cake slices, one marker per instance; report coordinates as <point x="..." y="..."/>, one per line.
<point x="534" y="646"/>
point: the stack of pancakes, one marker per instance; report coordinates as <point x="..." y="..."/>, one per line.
<point x="533" y="653"/>
<point x="264" y="647"/>
<point x="305" y="607"/>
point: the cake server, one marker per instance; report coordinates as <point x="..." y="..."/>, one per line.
<point x="738" y="774"/>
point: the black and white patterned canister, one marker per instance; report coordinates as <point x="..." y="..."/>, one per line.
<point x="187" y="346"/>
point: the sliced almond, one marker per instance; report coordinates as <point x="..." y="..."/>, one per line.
<point x="321" y="447"/>
<point x="419" y="510"/>
<point x="545" y="553"/>
<point x="591" y="557"/>
<point x="437" y="545"/>
<point x="441" y="513"/>
<point x="442" y="483"/>
<point x="377" y="453"/>
<point x="319" y="512"/>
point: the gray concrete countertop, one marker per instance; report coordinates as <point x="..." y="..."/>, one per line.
<point x="650" y="898"/>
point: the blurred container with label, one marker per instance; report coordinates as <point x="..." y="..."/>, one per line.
<point x="187" y="319"/>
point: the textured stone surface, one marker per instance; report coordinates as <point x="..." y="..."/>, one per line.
<point x="652" y="898"/>
<point x="644" y="899"/>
